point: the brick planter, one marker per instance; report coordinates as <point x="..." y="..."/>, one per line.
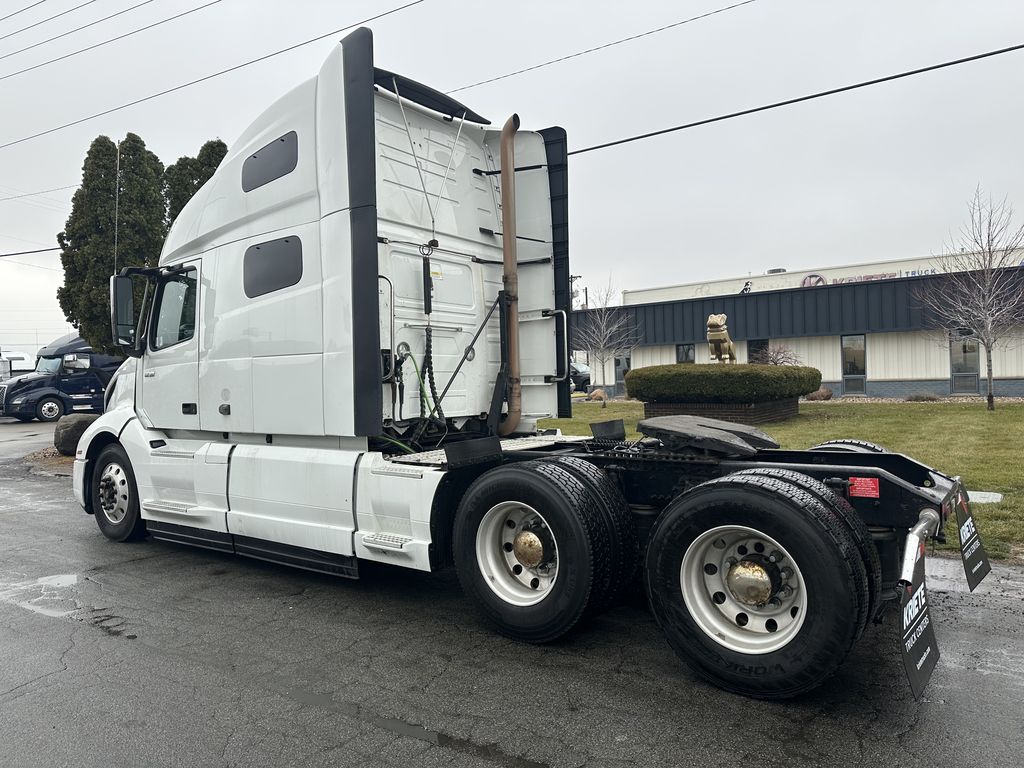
<point x="742" y="413"/>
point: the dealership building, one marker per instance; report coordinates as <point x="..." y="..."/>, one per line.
<point x="861" y="325"/>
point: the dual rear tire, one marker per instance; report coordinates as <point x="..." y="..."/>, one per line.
<point x="540" y="545"/>
<point x="760" y="582"/>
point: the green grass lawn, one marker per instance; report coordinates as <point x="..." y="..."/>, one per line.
<point x="985" y="449"/>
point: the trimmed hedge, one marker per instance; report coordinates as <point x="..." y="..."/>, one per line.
<point x="690" y="383"/>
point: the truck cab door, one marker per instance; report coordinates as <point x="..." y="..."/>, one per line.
<point x="168" y="378"/>
<point x="81" y="388"/>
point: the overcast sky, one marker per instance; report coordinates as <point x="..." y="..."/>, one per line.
<point x="875" y="174"/>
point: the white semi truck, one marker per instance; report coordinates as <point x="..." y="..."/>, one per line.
<point x="342" y="356"/>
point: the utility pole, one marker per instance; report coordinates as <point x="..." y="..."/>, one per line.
<point x="117" y="197"/>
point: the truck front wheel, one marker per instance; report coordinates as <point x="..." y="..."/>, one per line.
<point x="756" y="584"/>
<point x="49" y="409"/>
<point x="531" y="549"/>
<point x="115" y="496"/>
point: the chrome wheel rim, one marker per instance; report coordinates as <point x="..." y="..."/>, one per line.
<point x="115" y="492"/>
<point x="517" y="553"/>
<point x="743" y="589"/>
<point x="49" y="410"/>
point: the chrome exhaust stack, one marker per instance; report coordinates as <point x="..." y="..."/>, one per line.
<point x="928" y="523"/>
<point x="510" y="276"/>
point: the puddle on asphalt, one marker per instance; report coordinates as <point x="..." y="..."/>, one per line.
<point x="490" y="752"/>
<point x="47" y="595"/>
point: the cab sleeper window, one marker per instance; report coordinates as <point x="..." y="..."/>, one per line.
<point x="175" y="310"/>
<point x="271" y="266"/>
<point x="276" y="159"/>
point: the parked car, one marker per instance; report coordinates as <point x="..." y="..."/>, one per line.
<point x="68" y="377"/>
<point x="580" y="375"/>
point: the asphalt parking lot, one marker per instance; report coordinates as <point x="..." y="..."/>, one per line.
<point x="158" y="655"/>
<point x="19" y="438"/>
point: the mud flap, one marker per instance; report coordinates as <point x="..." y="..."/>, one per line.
<point x="976" y="565"/>
<point x="919" y="649"/>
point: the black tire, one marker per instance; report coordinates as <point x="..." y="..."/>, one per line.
<point x="848" y="516"/>
<point x="848" y="445"/>
<point x="124" y="522"/>
<point x="618" y="520"/>
<point x="49" y="409"/>
<point x="581" y="541"/>
<point x="817" y="544"/>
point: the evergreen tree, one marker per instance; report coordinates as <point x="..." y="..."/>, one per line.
<point x="87" y="241"/>
<point x="184" y="178"/>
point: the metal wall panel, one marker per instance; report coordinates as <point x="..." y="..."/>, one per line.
<point x="881" y="306"/>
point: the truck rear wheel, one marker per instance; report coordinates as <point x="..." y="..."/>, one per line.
<point x="618" y="520"/>
<point x="531" y="550"/>
<point x="115" y="496"/>
<point x="848" y="516"/>
<point x="757" y="585"/>
<point x="848" y="445"/>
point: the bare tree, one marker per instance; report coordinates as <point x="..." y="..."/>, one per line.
<point x="981" y="294"/>
<point x="604" y="330"/>
<point x="777" y="354"/>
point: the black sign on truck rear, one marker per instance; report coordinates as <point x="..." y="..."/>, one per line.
<point x="919" y="650"/>
<point x="976" y="565"/>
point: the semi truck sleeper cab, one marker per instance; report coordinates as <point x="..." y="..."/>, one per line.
<point x="342" y="356"/>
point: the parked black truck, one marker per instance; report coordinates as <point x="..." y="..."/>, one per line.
<point x="69" y="378"/>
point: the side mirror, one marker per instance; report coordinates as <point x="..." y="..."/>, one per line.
<point x="75" y="362"/>
<point x="122" y="313"/>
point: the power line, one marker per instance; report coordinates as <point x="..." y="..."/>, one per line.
<point x="601" y="47"/>
<point x="51" y="18"/>
<point x="798" y="99"/>
<point x="34" y="266"/>
<point x="605" y="145"/>
<point x="27" y="7"/>
<point x="208" y="77"/>
<point x="26" y="253"/>
<point x="40" y="192"/>
<point x="101" y="44"/>
<point x="72" y="31"/>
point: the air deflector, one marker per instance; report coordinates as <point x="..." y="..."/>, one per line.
<point x="425" y="96"/>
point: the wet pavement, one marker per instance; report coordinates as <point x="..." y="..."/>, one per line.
<point x="18" y="438"/>
<point x="158" y="655"/>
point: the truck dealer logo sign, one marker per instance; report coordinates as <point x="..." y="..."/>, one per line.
<point x="976" y="565"/>
<point x="919" y="650"/>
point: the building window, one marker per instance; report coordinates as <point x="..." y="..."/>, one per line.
<point x="854" y="365"/>
<point x="757" y="351"/>
<point x="965" y="366"/>
<point x="686" y="353"/>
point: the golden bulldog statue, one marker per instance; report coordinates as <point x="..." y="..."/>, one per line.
<point x="721" y="346"/>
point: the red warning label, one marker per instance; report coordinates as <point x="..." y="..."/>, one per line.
<point x="864" y="487"/>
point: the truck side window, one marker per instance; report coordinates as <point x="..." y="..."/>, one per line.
<point x="271" y="266"/>
<point x="175" y="310"/>
<point x="276" y="159"/>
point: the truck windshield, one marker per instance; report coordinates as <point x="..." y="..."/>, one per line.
<point x="48" y="365"/>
